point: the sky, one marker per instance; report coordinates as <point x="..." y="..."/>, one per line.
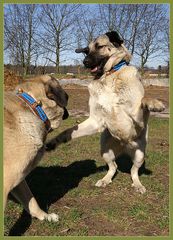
<point x="153" y="63"/>
<point x="70" y="57"/>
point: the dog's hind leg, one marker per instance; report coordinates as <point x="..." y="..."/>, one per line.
<point x="138" y="159"/>
<point x="23" y="194"/>
<point x="108" y="154"/>
<point x="137" y="163"/>
<point x="109" y="158"/>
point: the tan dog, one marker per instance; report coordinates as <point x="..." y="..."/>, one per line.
<point x="118" y="110"/>
<point x="24" y="136"/>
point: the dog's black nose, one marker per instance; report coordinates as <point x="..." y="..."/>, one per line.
<point x="86" y="61"/>
<point x="66" y="114"/>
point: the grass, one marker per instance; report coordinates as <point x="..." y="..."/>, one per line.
<point x="64" y="183"/>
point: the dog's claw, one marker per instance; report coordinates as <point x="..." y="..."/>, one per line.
<point x="52" y="217"/>
<point x="102" y="183"/>
<point x="139" y="188"/>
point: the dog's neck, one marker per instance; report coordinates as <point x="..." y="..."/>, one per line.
<point x="113" y="69"/>
<point x="120" y="65"/>
<point x="35" y="107"/>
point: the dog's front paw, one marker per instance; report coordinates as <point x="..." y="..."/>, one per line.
<point x="103" y="182"/>
<point x="50" y="145"/>
<point x="52" y="217"/>
<point x="153" y="104"/>
<point x="139" y="188"/>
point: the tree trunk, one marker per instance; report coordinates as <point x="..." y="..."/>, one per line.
<point x="28" y="62"/>
<point x="142" y="65"/>
<point x="57" y="53"/>
<point x="57" y="61"/>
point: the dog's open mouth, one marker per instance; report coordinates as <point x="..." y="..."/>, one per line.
<point x="95" y="65"/>
<point x="95" y="69"/>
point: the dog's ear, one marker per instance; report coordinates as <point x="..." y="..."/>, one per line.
<point x="114" y="38"/>
<point x="55" y="92"/>
<point x="82" y="50"/>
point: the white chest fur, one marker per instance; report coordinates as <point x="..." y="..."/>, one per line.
<point x="102" y="98"/>
<point x="112" y="104"/>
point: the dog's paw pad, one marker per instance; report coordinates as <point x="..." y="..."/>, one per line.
<point x="102" y="183"/>
<point x="52" y="217"/>
<point x="139" y="188"/>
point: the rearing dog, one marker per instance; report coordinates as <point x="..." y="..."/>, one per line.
<point x="26" y="125"/>
<point x="118" y="108"/>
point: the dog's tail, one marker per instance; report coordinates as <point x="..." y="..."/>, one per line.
<point x="152" y="104"/>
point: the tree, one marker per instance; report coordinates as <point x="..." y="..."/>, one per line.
<point x="166" y="39"/>
<point x="142" y="26"/>
<point x="166" y="44"/>
<point x="20" y="30"/>
<point x="150" y="39"/>
<point x="57" y="30"/>
<point x="87" y="26"/>
<point x="113" y="17"/>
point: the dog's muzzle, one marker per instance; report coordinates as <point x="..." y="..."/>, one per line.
<point x="66" y="114"/>
<point x="95" y="63"/>
<point x="89" y="61"/>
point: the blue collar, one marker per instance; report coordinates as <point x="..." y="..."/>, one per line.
<point x="119" y="65"/>
<point x="35" y="107"/>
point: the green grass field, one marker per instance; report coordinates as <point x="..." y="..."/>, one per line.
<point x="64" y="183"/>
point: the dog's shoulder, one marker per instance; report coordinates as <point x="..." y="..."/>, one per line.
<point x="128" y="73"/>
<point x="13" y="107"/>
<point x="21" y="124"/>
<point x="9" y="109"/>
<point x="124" y="81"/>
<point x="11" y="102"/>
<point x="127" y="69"/>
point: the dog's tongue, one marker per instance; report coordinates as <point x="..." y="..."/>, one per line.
<point x="94" y="69"/>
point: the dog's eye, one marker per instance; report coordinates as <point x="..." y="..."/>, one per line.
<point x="99" y="47"/>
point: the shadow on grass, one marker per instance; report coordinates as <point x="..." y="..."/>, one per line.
<point x="49" y="184"/>
<point x="124" y="164"/>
